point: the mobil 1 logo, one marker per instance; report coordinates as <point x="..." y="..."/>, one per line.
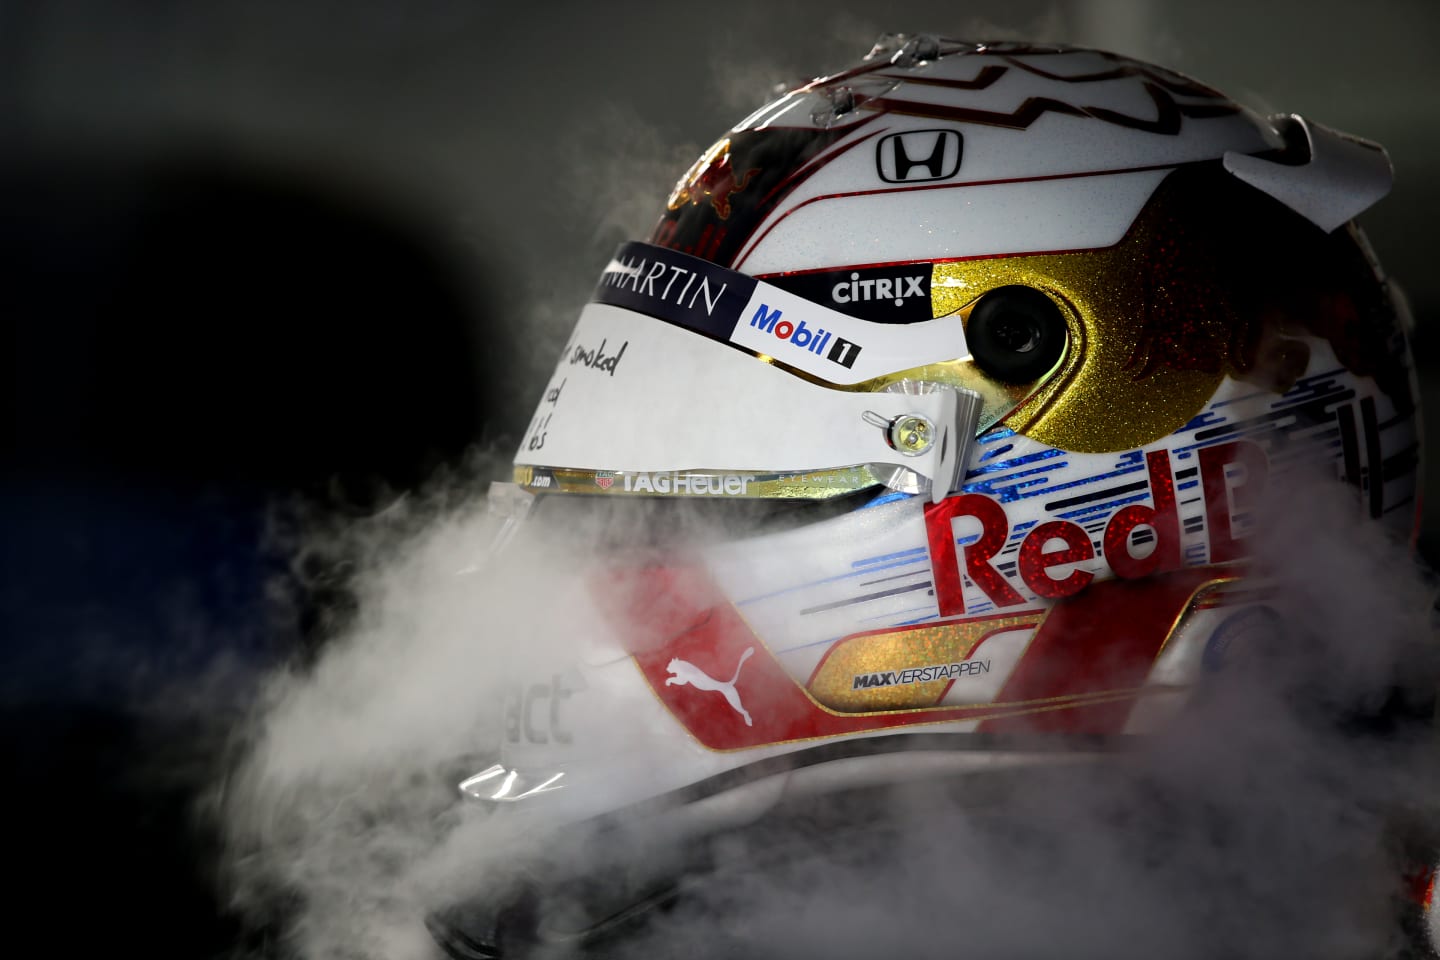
<point x="818" y="340"/>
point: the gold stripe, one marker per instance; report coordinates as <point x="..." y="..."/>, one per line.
<point x="999" y="710"/>
<point x="899" y="650"/>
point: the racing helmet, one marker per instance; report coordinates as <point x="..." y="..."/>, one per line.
<point x="1007" y="342"/>
<point x="1032" y="328"/>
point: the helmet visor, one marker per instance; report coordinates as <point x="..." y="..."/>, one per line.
<point x="683" y="378"/>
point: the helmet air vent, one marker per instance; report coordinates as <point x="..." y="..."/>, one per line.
<point x="1016" y="334"/>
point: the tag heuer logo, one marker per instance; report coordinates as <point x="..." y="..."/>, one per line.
<point x="917" y="156"/>
<point x="604" y="479"/>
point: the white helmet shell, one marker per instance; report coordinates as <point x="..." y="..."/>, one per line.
<point x="1057" y="316"/>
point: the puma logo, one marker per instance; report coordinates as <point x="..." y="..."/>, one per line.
<point x="686" y="672"/>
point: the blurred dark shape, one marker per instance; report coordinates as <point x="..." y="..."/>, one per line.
<point x="182" y="323"/>
<point x="192" y="343"/>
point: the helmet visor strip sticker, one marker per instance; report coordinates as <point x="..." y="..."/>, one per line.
<point x="808" y="339"/>
<point x="634" y="399"/>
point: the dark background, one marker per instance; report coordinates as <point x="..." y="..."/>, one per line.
<point x="255" y="255"/>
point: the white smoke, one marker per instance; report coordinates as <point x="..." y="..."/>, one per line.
<point x="1259" y="825"/>
<point x="348" y="779"/>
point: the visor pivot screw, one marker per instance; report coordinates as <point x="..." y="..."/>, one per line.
<point x="912" y="435"/>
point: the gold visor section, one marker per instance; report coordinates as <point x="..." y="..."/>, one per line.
<point x="1155" y="325"/>
<point x="1109" y="401"/>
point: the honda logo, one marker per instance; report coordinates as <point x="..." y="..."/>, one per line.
<point x="916" y="156"/>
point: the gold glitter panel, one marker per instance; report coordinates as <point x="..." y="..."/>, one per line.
<point x="905" y="669"/>
<point x="1108" y="404"/>
<point x="1157" y="321"/>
